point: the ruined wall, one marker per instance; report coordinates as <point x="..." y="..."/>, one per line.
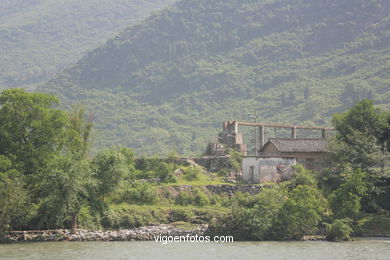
<point x="214" y="163"/>
<point x="229" y="138"/>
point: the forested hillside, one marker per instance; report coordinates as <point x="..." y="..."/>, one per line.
<point x="38" y="38"/>
<point x="168" y="83"/>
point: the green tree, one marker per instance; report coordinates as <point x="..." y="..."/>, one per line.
<point x="300" y="214"/>
<point x="251" y="217"/>
<point x="164" y="171"/>
<point x="360" y="131"/>
<point x="302" y="176"/>
<point x="31" y="128"/>
<point x="110" y="168"/>
<point x="13" y="196"/>
<point x="345" y="201"/>
<point x="361" y="144"/>
<point x="79" y="129"/>
<point x="65" y="184"/>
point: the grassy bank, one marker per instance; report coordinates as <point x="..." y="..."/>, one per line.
<point x="374" y="225"/>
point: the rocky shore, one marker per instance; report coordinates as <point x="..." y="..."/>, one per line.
<point x="135" y="234"/>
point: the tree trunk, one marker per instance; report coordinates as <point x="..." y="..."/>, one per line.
<point x="74" y="223"/>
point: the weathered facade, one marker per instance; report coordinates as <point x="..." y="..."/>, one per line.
<point x="261" y="170"/>
<point x="277" y="157"/>
<point x="308" y="152"/>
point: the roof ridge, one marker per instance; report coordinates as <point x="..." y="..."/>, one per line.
<point x="319" y="138"/>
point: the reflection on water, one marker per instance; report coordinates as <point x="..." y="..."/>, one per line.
<point x="361" y="249"/>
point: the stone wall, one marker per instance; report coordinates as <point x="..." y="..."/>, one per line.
<point x="221" y="189"/>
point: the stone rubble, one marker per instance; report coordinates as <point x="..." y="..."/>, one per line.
<point x="135" y="234"/>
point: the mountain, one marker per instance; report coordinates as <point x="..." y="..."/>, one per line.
<point x="168" y="83"/>
<point x="39" y="38"/>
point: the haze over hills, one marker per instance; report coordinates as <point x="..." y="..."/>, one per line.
<point x="39" y="38"/>
<point x="168" y="83"/>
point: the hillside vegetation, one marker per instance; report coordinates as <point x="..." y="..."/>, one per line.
<point x="50" y="180"/>
<point x="39" y="38"/>
<point x="168" y="83"/>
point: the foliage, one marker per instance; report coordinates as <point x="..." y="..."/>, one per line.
<point x="36" y="44"/>
<point x="374" y="225"/>
<point x="300" y="214"/>
<point x="192" y="173"/>
<point x="65" y="186"/>
<point x="195" y="197"/>
<point x="339" y="230"/>
<point x="181" y="214"/>
<point x="359" y="145"/>
<point x="165" y="173"/>
<point x="345" y="201"/>
<point x="302" y="176"/>
<point x="140" y="193"/>
<point x="13" y="196"/>
<point x="31" y="129"/>
<point x="235" y="160"/>
<point x="360" y="131"/>
<point x="110" y="168"/>
<point x="200" y="198"/>
<point x="210" y="61"/>
<point x="79" y="132"/>
<point x="184" y="198"/>
<point x="251" y="216"/>
<point x="149" y="168"/>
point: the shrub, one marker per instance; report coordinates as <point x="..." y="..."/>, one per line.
<point x="346" y="200"/>
<point x="184" y="198"/>
<point x="87" y="219"/>
<point x="164" y="171"/>
<point x="251" y="216"/>
<point x="300" y="214"/>
<point x="179" y="214"/>
<point x="339" y="230"/>
<point x="224" y="172"/>
<point x="140" y="193"/>
<point x="301" y="176"/>
<point x="235" y="160"/>
<point x="200" y="198"/>
<point x="192" y="173"/>
<point x="147" y="175"/>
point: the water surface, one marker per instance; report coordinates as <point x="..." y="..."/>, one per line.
<point x="378" y="248"/>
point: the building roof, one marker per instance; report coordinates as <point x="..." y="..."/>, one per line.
<point x="298" y="145"/>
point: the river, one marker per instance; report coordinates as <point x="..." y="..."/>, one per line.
<point x="367" y="248"/>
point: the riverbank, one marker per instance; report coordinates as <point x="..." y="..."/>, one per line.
<point x="136" y="234"/>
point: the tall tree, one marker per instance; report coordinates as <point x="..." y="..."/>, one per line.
<point x="300" y="214"/>
<point x="345" y="201"/>
<point x="360" y="144"/>
<point x="68" y="179"/>
<point x="13" y="196"/>
<point x="360" y="133"/>
<point x="110" y="167"/>
<point x="66" y="184"/>
<point x="31" y="128"/>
